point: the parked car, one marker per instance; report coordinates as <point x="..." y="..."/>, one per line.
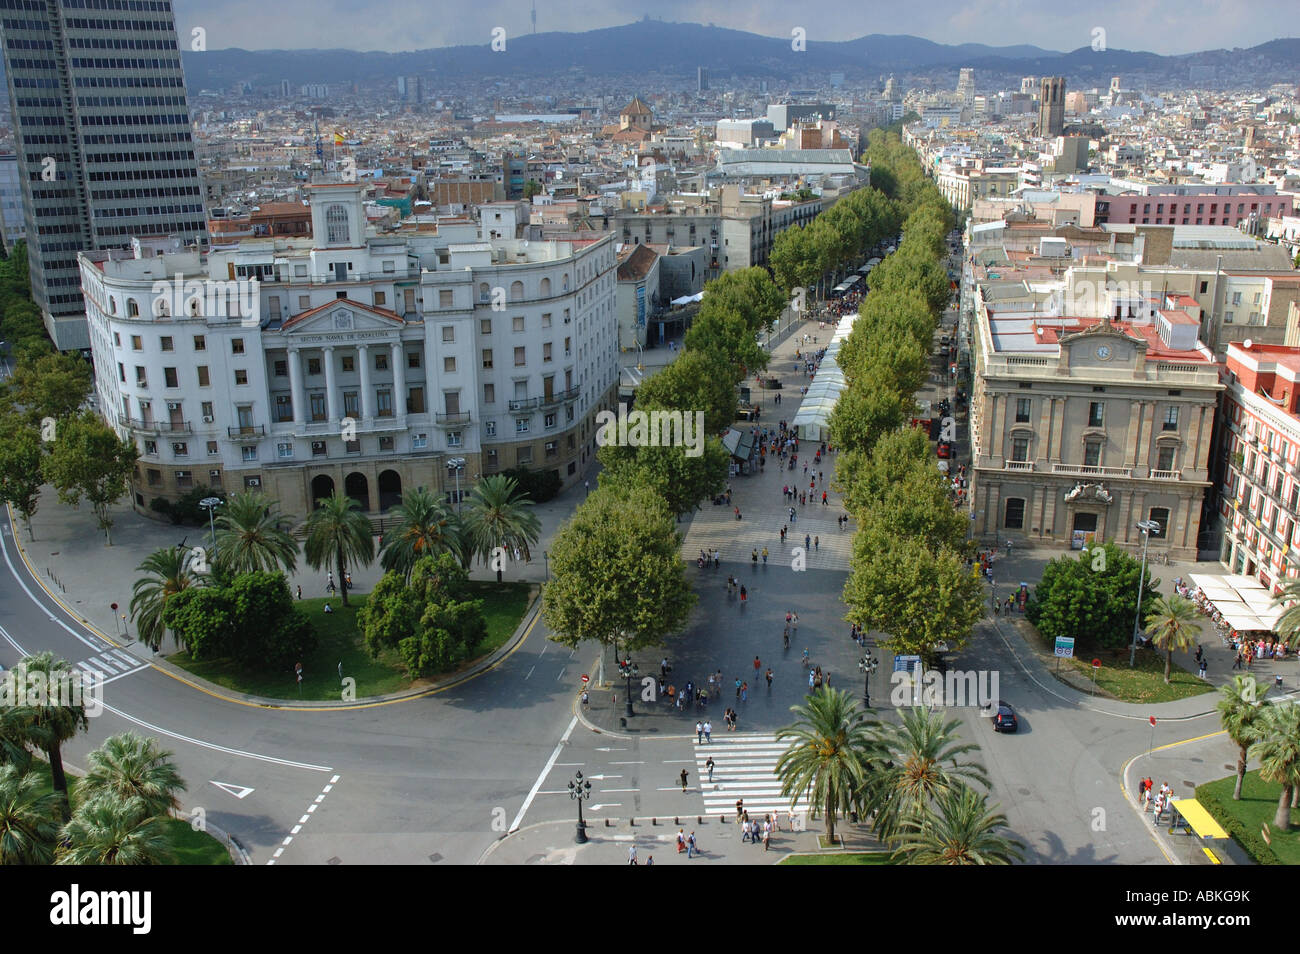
<point x="1004" y="720"/>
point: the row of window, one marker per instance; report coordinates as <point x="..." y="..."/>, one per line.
<point x="1096" y="414"/>
<point x="1013" y="517"/>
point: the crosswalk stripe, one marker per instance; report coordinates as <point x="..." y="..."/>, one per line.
<point x="744" y="768"/>
<point x="109" y="663"/>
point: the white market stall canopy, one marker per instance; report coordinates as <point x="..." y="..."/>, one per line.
<point x="1245" y="603"/>
<point x="811" y="422"/>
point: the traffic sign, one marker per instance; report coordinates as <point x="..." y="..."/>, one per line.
<point x="585" y="679"/>
<point x="1096" y="664"/>
<point x="1152" y="720"/>
<point x="1065" y="647"/>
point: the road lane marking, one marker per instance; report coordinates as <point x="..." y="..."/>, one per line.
<point x="303" y="820"/>
<point x="546" y="770"/>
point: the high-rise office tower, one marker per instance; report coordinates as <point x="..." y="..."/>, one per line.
<point x="1051" y="106"/>
<point x="702" y="79"/>
<point x="102" y="131"/>
<point x="966" y="85"/>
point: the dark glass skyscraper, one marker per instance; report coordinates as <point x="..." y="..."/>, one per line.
<point x="102" y="132"/>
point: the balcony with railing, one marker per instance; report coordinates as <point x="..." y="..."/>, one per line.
<point x="452" y="419"/>
<point x="1166" y="475"/>
<point x="248" y="432"/>
<point x="160" y="427"/>
<point x="1088" y="470"/>
<point x="525" y="404"/>
<point x="1023" y="465"/>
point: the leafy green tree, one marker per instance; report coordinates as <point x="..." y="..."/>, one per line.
<point x="51" y="386"/>
<point x="680" y="480"/>
<point x="917" y="507"/>
<point x="725" y="335"/>
<point x="831" y="754"/>
<point x="168" y="571"/>
<point x="54" y="719"/>
<point x="1094" y="593"/>
<point x="87" y="461"/>
<point x="539" y="486"/>
<point x="1240" y="713"/>
<point x="500" y="517"/>
<point x="252" y="535"/>
<point x="428" y="620"/>
<point x="202" y="619"/>
<point x="750" y="293"/>
<point x="339" y="536"/>
<point x="29" y="818"/>
<point x="918" y="597"/>
<point x="695" y="381"/>
<point x="864" y="414"/>
<point x="269" y="630"/>
<point x="865" y="478"/>
<point x="960" y="830"/>
<point x="794" y="259"/>
<point x="133" y="769"/>
<point x="617" y="576"/>
<point x="1288" y="624"/>
<point x="20" y="468"/>
<point x="1277" y="748"/>
<point x="422" y="526"/>
<point x="110" y="831"/>
<point x="1172" y="623"/>
<point x="925" y="761"/>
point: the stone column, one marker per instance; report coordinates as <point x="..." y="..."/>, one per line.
<point x="295" y="386"/>
<point x="1134" y="434"/>
<point x="367" y="395"/>
<point x="399" y="380"/>
<point x="331" y="405"/>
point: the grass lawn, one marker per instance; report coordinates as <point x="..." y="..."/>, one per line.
<point x="189" y="847"/>
<point x="340" y="641"/>
<point x="1257" y="806"/>
<point x="1145" y="682"/>
<point x="840" y="858"/>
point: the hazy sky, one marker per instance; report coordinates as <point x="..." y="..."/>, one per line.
<point x="1159" y="26"/>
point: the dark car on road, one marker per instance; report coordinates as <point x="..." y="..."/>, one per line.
<point x="1004" y="720"/>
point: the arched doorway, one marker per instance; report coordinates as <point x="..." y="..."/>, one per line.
<point x="358" y="488"/>
<point x="390" y="489"/>
<point x="321" y="486"/>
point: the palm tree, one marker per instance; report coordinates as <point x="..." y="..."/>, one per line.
<point x="830" y="754"/>
<point x="1278" y="750"/>
<point x="1288" y="624"/>
<point x="423" y="527"/>
<point x="253" y="535"/>
<point x="925" y="760"/>
<point x="169" y="573"/>
<point x="501" y="516"/>
<point x="338" y="533"/>
<point x="29" y="818"/>
<point x="54" y="719"/>
<point x="13" y="732"/>
<point x="1240" y="712"/>
<point x="1173" y="624"/>
<point x="961" y="830"/>
<point x="113" y="831"/>
<point x="129" y="767"/>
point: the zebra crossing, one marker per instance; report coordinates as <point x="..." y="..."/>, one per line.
<point x="111" y="664"/>
<point x="744" y="766"/>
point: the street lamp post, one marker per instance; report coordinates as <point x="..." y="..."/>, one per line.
<point x="579" y="789"/>
<point x="210" y="504"/>
<point x="456" y="465"/>
<point x="628" y="670"/>
<point x="867" y="665"/>
<point x="546" y="560"/>
<point x="1147" y="527"/>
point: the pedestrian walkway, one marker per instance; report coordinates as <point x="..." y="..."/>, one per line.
<point x="744" y="767"/>
<point x="111" y="664"/>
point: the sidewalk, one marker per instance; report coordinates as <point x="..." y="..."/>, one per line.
<point x="718" y="841"/>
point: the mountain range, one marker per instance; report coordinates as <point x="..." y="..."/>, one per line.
<point x="654" y="46"/>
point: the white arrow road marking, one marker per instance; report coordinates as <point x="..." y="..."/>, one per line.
<point x="239" y="791"/>
<point x="601" y="778"/>
<point x="596" y="808"/>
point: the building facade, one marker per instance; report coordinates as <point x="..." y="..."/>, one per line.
<point x="1051" y="106"/>
<point x="1082" y="427"/>
<point x="1259" y="447"/>
<point x="102" y="131"/>
<point x="355" y="362"/>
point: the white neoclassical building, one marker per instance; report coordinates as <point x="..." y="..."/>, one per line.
<point x="355" y="360"/>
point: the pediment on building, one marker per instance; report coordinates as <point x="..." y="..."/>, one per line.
<point x="342" y="317"/>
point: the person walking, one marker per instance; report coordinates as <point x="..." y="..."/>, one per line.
<point x="769" y="677"/>
<point x="753" y="558"/>
<point x="299" y="591"/>
<point x="812" y="674"/>
<point x="817" y="543"/>
<point x="785" y="640"/>
<point x="631" y="854"/>
<point x="744" y="692"/>
<point x="1204" y="666"/>
<point x="708" y="733"/>
<point x="709" y="765"/>
<point x="744" y="594"/>
<point x="699" y="732"/>
<point x="807" y="541"/>
<point x="683" y="781"/>
<point x="757" y="666"/>
<point x="691" y="848"/>
<point x="825" y="502"/>
<point x="764" y="556"/>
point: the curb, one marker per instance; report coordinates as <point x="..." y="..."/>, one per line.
<point x="161" y="665"/>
